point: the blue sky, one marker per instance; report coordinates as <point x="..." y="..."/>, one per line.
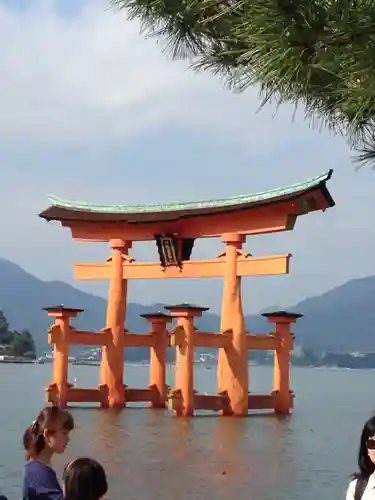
<point x="92" y="111"/>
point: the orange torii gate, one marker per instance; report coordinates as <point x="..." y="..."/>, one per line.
<point x="174" y="229"/>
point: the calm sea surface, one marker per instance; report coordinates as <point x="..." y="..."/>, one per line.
<point x="149" y="455"/>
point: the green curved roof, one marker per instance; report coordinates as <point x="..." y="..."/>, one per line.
<point x="234" y="201"/>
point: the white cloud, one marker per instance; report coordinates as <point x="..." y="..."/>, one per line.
<point x="74" y="79"/>
<point x="77" y="79"/>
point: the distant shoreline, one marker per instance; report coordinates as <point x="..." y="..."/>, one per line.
<point x="20" y="361"/>
<point x="359" y="365"/>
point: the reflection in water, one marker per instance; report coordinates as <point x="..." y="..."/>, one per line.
<point x="109" y="434"/>
<point x="150" y="455"/>
<point x="251" y="449"/>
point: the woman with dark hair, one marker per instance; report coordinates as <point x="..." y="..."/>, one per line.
<point x="84" y="479"/>
<point x="49" y="434"/>
<point x="362" y="487"/>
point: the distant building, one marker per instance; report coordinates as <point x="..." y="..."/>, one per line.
<point x="5" y="349"/>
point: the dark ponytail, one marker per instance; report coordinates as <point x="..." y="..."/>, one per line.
<point x="49" y="420"/>
<point x="33" y="441"/>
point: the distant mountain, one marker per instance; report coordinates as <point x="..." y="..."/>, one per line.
<point x="341" y="320"/>
<point x="23" y="296"/>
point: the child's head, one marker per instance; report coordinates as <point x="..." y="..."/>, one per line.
<point x="84" y="478"/>
<point x="49" y="432"/>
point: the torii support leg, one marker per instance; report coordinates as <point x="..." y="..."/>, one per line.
<point x="184" y="340"/>
<point x="59" y="336"/>
<point x="281" y="378"/>
<point x="232" y="361"/>
<point x="112" y="364"/>
<point x="158" y="354"/>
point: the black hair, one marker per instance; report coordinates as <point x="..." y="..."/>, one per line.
<point x="365" y="465"/>
<point x="49" y="420"/>
<point x="84" y="478"/>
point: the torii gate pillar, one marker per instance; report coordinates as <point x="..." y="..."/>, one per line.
<point x="232" y="364"/>
<point x="112" y="364"/>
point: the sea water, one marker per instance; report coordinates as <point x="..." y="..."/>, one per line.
<point x="150" y="455"/>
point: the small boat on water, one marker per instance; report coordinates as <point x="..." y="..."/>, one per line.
<point x="85" y="362"/>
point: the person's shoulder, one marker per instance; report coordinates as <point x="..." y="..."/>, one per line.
<point x="352" y="483"/>
<point x="35" y="465"/>
<point x="351" y="488"/>
<point x="40" y="482"/>
<point x="351" y="491"/>
<point x="36" y="472"/>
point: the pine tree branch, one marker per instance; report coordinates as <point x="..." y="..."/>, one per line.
<point x="318" y="54"/>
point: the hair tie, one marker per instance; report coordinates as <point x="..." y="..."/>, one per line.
<point x="70" y="464"/>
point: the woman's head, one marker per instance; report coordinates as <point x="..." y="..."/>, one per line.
<point x="84" y="478"/>
<point x="49" y="432"/>
<point x="366" y="455"/>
